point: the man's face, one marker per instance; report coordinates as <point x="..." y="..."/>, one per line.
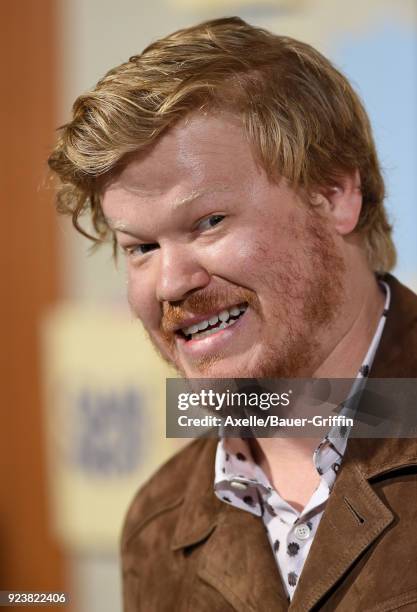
<point x="232" y="275"/>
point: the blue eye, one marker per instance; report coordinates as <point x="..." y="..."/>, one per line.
<point x="210" y="222"/>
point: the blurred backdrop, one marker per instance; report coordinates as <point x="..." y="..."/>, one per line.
<point x="82" y="403"/>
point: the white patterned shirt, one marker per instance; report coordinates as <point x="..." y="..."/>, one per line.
<point x="239" y="481"/>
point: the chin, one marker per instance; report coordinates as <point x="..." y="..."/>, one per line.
<point x="223" y="368"/>
<point x="217" y="370"/>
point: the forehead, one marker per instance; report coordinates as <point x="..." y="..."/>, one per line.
<point x="201" y="153"/>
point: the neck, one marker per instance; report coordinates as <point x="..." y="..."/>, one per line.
<point x="363" y="310"/>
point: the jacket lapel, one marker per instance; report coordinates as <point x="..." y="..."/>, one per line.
<point x="354" y="518"/>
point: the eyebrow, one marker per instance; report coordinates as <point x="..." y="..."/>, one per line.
<point x="119" y="226"/>
<point x="123" y="226"/>
<point x="195" y="195"/>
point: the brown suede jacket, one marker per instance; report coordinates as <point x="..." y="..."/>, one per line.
<point x="184" y="550"/>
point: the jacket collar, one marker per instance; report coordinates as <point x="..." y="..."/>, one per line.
<point x="396" y="357"/>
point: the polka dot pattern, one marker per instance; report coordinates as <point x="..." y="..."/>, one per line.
<point x="293" y="549"/>
<point x="276" y="546"/>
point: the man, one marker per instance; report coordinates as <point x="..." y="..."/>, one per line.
<point x="236" y="170"/>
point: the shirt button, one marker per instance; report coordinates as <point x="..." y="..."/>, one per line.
<point x="237" y="484"/>
<point x="302" y="532"/>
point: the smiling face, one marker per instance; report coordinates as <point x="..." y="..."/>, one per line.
<point x="232" y="275"/>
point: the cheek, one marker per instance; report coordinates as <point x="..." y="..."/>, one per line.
<point x="240" y="256"/>
<point x="250" y="260"/>
<point x="141" y="298"/>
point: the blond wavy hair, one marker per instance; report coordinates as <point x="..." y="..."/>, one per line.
<point x="304" y="120"/>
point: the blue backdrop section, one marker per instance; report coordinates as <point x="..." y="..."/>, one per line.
<point x="382" y="64"/>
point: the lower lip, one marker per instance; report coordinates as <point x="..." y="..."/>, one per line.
<point x="212" y="343"/>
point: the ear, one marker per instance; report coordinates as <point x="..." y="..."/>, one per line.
<point x="343" y="202"/>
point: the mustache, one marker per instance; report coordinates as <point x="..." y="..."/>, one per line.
<point x="204" y="302"/>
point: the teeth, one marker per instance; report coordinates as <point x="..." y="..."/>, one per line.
<point x="208" y="332"/>
<point x="203" y="334"/>
<point x="224" y="315"/>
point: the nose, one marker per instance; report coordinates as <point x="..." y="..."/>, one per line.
<point x="180" y="273"/>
